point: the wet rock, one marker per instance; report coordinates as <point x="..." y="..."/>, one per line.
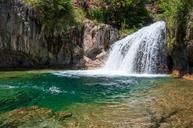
<point x="62" y="115"/>
<point x="16" y="100"/>
<point x="163" y="68"/>
<point x="182" y="45"/>
<point x="98" y="37"/>
<point x="93" y="64"/>
<point x="96" y="63"/>
<point x="188" y="77"/>
<point x="173" y="106"/>
<point x="189" y="38"/>
<point x="33" y="117"/>
<point x="176" y="74"/>
<point x="190" y="55"/>
<point x="101" y="55"/>
<point x="78" y="56"/>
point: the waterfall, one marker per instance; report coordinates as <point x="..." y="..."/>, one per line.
<point x="140" y="52"/>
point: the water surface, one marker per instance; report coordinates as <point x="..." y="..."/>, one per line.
<point x="94" y="100"/>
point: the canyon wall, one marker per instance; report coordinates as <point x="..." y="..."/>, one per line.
<point x="24" y="44"/>
<point x="179" y="19"/>
<point x="189" y="38"/>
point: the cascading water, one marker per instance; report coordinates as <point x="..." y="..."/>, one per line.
<point x="140" y="52"/>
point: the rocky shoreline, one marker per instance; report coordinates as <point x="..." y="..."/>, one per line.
<point x="178" y="74"/>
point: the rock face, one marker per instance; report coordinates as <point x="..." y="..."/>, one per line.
<point x="23" y="43"/>
<point x="97" y="40"/>
<point x="180" y="38"/>
<point x="182" y="52"/>
<point x="190" y="41"/>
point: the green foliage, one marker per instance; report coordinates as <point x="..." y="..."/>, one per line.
<point x="122" y="13"/>
<point x="79" y="15"/>
<point x="51" y="9"/>
<point x="55" y="15"/>
<point x="169" y="10"/>
<point x="175" y="13"/>
<point x="97" y="14"/>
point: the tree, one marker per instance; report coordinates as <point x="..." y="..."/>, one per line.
<point x="127" y="13"/>
<point x="54" y="15"/>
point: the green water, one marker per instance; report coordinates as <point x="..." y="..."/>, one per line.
<point x="58" y="93"/>
<point x="94" y="99"/>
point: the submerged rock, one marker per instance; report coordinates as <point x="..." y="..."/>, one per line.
<point x="10" y="100"/>
<point x="63" y="115"/>
<point x="33" y="117"/>
<point x="173" y="106"/>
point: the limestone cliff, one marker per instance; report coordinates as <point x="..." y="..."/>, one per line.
<point x="179" y="32"/>
<point x="189" y="38"/>
<point x="96" y="42"/>
<point x="24" y="44"/>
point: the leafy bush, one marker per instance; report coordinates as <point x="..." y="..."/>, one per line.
<point x="122" y="13"/>
<point x="175" y="13"/>
<point x="79" y="15"/>
<point x="97" y="14"/>
<point x="55" y="15"/>
<point x="51" y="9"/>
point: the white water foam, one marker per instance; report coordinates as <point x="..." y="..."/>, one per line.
<point x="138" y="55"/>
<point x="140" y="52"/>
<point x="102" y="73"/>
<point x="54" y="90"/>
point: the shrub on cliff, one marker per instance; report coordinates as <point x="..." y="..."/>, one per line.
<point x="119" y="13"/>
<point x="176" y="13"/>
<point x="55" y="15"/>
<point x="126" y="13"/>
<point x="52" y="9"/>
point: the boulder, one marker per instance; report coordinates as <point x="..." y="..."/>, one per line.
<point x="98" y="38"/>
<point x="30" y="45"/>
<point x="176" y="73"/>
